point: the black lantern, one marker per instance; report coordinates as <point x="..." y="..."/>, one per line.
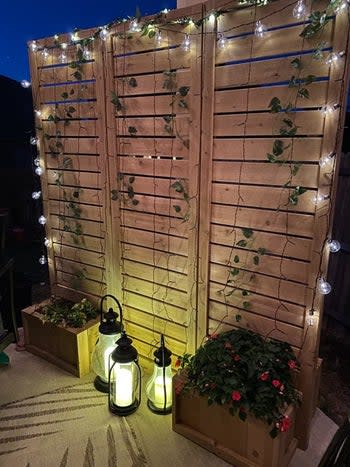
<point x="124" y="382"/>
<point x="109" y="332"/>
<point x="159" y="386"/>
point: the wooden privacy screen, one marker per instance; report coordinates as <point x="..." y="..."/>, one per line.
<point x="158" y="186"/>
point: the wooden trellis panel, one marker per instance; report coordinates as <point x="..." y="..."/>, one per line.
<point x="73" y="179"/>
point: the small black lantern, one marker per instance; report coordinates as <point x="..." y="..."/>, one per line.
<point x="124" y="382"/>
<point x="109" y="332"/>
<point x="159" y="386"/>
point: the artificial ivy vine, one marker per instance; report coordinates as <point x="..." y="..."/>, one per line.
<point x="180" y="187"/>
<point x="125" y="191"/>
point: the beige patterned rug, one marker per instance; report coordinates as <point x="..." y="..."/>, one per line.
<point x="49" y="418"/>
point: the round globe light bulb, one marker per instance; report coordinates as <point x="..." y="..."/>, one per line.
<point x="33" y="140"/>
<point x="334" y="246"/>
<point x="36" y="161"/>
<point x="42" y="260"/>
<point x="42" y="220"/>
<point x="36" y="194"/>
<point x="222" y="42"/>
<point x="260" y="29"/>
<point x="299" y="10"/>
<point x="104" y="33"/>
<point x="324" y="287"/>
<point x="47" y="242"/>
<point x="25" y="84"/>
<point x="39" y="171"/>
<point x="186" y="43"/>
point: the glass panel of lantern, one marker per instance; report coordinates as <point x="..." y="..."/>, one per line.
<point x="159" y="386"/>
<point x="109" y="332"/>
<point x="124" y="382"/>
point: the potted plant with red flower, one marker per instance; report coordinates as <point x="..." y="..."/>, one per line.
<point x="245" y="374"/>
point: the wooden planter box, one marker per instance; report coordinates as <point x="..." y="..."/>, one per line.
<point x="244" y="444"/>
<point x="68" y="348"/>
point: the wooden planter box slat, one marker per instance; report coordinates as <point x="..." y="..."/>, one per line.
<point x="244" y="444"/>
<point x="68" y="348"/>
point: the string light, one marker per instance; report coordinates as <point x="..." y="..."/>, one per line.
<point x="87" y="54"/>
<point x="326" y="159"/>
<point x="33" y="140"/>
<point x="104" y="33"/>
<point x="212" y="17"/>
<point x="47" y="242"/>
<point x="42" y="259"/>
<point x="33" y="46"/>
<point x="36" y="194"/>
<point x="36" y="161"/>
<point x="42" y="220"/>
<point x="165" y="11"/>
<point x="25" y="84"/>
<point x="320" y="197"/>
<point x="134" y="26"/>
<point x="63" y="57"/>
<point x="39" y="170"/>
<point x="74" y="36"/>
<point x="311" y="317"/>
<point x="64" y="45"/>
<point x="324" y="287"/>
<point x="334" y="246"/>
<point x="186" y="43"/>
<point x="158" y="37"/>
<point x="334" y="57"/>
<point x="329" y="109"/>
<point x="260" y="29"/>
<point x="299" y="10"/>
<point x="45" y="54"/>
<point x="222" y="42"/>
<point x="38" y="113"/>
<point x="344" y="4"/>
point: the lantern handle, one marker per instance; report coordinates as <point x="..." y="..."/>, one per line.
<point x="117" y="302"/>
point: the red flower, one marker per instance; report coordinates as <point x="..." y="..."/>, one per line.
<point x="213" y="335"/>
<point x="236" y="358"/>
<point x="264" y="376"/>
<point x="285" y="423"/>
<point x="292" y="364"/>
<point x="228" y="345"/>
<point x="178" y="362"/>
<point x="276" y="383"/>
<point x="236" y="395"/>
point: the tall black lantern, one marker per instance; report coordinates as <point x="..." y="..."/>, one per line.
<point x="159" y="386"/>
<point x="109" y="332"/>
<point x="124" y="382"/>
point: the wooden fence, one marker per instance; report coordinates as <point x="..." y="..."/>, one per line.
<point x="158" y="186"/>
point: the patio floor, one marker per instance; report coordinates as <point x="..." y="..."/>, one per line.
<point x="50" y="418"/>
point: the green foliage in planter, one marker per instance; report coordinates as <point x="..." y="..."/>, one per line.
<point x="249" y="373"/>
<point x="66" y="313"/>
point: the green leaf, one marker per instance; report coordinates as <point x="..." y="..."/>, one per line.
<point x="71" y="92"/>
<point x="64" y="95"/>
<point x="132" y="82"/>
<point x="296" y="63"/>
<point x="183" y="91"/>
<point x="77" y="75"/>
<point x="242" y="415"/>
<point x="262" y="251"/>
<point x="131" y="179"/>
<point x="256" y="260"/>
<point x="247" y="232"/>
<point x="168" y="118"/>
<point x="116" y="101"/>
<point x="309" y="79"/>
<point x="234" y="271"/>
<point x="238" y="318"/>
<point x="151" y="33"/>
<point x="71" y="109"/>
<point x="242" y="243"/>
<point x="135" y="202"/>
<point x="132" y="130"/>
<point x="178" y="187"/>
<point x="177" y="208"/>
<point x="303" y="93"/>
<point x="246" y="305"/>
<point x="275" y="105"/>
<point x="274" y="432"/>
<point x="114" y="194"/>
<point x="236" y="259"/>
<point x="183" y="104"/>
<point x="245" y="293"/>
<point x="295" y="169"/>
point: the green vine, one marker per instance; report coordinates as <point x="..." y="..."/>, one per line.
<point x="180" y="187"/>
<point x="126" y="192"/>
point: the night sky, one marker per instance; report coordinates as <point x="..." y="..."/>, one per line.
<point x="34" y="19"/>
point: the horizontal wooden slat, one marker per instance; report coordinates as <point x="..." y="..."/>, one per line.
<point x="155" y="240"/>
<point x="155" y="258"/>
<point x="64" y="74"/>
<point x="74" y="91"/>
<point x="154" y="105"/>
<point x="155" y="223"/>
<point x="75" y="178"/>
<point x="95" y="229"/>
<point x="154" y="126"/>
<point x="73" y="268"/>
<point x="154" y="205"/>
<point x="163" y="168"/>
<point x="264" y="174"/>
<point x="261" y="197"/>
<point x="158" y="276"/>
<point x="269" y="221"/>
<point x="162" y="147"/>
<point x="74" y="145"/>
<point x="79" y="128"/>
<point x="84" y="285"/>
<point x="76" y="162"/>
<point x="259" y="304"/>
<point x="84" y="256"/>
<point x="300" y="149"/>
<point x="150" y="84"/>
<point x="242" y="100"/>
<point x="270" y="286"/>
<point x="308" y="122"/>
<point x="278" y="244"/>
<point x="85" y="242"/>
<point x="270" y="265"/>
<point x="87" y="211"/>
<point x="85" y="195"/>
